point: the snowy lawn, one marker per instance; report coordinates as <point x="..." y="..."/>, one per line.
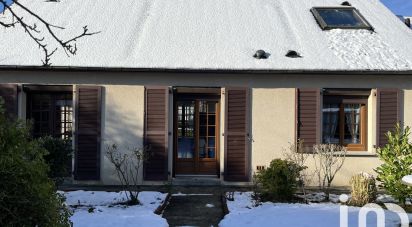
<point x="242" y="213"/>
<point x="107" y="212"/>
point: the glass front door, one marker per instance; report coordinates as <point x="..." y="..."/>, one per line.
<point x="196" y="136"/>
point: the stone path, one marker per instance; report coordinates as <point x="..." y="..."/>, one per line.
<point x="194" y="210"/>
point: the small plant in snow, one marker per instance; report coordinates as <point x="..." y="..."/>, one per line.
<point x="128" y="165"/>
<point x="256" y="192"/>
<point x="296" y="154"/>
<point x="396" y="156"/>
<point x="363" y="189"/>
<point x="329" y="159"/>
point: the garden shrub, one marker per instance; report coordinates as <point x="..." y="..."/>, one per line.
<point x="128" y="163"/>
<point x="279" y="181"/>
<point x="363" y="189"/>
<point x="58" y="157"/>
<point x="396" y="156"/>
<point x="328" y="160"/>
<point x="27" y="196"/>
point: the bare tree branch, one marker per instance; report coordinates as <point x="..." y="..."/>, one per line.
<point x="69" y="46"/>
<point x="8" y="25"/>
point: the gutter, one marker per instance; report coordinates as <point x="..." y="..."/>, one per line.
<point x="220" y="71"/>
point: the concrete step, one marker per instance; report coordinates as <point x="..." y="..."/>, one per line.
<point x="196" y="181"/>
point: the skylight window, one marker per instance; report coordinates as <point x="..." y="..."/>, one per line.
<point x="339" y="17"/>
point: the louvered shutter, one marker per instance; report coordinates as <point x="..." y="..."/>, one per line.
<point x="308" y="116"/>
<point x="9" y="93"/>
<point x="387" y="113"/>
<point x="156" y="133"/>
<point x="88" y="132"/>
<point x="237" y="135"/>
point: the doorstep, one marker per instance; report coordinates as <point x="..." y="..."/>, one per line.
<point x="196" y="180"/>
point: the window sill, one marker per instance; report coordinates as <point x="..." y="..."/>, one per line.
<point x="360" y="154"/>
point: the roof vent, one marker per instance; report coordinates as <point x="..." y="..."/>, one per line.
<point x="408" y="22"/>
<point x="261" y="54"/>
<point x="346" y="3"/>
<point x="293" y="54"/>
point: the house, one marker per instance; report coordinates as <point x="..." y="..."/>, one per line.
<point x="217" y="88"/>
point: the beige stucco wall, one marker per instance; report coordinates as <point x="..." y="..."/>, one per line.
<point x="273" y="128"/>
<point x="273" y="114"/>
<point x="407" y="107"/>
<point x="272" y="103"/>
<point x="122" y="123"/>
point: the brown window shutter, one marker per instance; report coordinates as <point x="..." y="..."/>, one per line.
<point x="9" y="93"/>
<point x="388" y="113"/>
<point x="237" y="135"/>
<point x="88" y="132"/>
<point x="308" y="102"/>
<point x="156" y="133"/>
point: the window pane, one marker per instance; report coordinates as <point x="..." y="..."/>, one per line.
<point x="202" y="131"/>
<point x="186" y="140"/>
<point x="331" y="123"/>
<point x="52" y="114"/>
<point x="38" y="112"/>
<point x="212" y="119"/>
<point x="211" y="142"/>
<point x="211" y="152"/>
<point x="202" y="147"/>
<point x="352" y="123"/>
<point x="212" y="107"/>
<point x="63" y="116"/>
<point x="340" y="18"/>
<point x="185" y="147"/>
<point x="212" y="131"/>
<point x="202" y="106"/>
<point x="202" y="119"/>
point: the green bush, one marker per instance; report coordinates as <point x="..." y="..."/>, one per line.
<point x="396" y="156"/>
<point x="58" y="158"/>
<point x="279" y="181"/>
<point x="27" y="196"/>
<point x="363" y="189"/>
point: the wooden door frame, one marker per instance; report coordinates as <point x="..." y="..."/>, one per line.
<point x="208" y="95"/>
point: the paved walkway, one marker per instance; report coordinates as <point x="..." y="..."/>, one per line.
<point x="194" y="210"/>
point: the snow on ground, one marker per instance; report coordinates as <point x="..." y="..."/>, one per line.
<point x="243" y="213"/>
<point x="383" y="198"/>
<point x="182" y="194"/>
<point x="209" y="205"/>
<point x="95" y="198"/>
<point x="106" y="212"/>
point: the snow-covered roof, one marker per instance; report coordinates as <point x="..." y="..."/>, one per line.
<point x="212" y="34"/>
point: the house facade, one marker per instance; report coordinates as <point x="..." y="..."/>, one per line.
<point x="225" y="125"/>
<point x="200" y="99"/>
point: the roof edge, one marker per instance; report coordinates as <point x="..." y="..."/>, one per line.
<point x="206" y="70"/>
